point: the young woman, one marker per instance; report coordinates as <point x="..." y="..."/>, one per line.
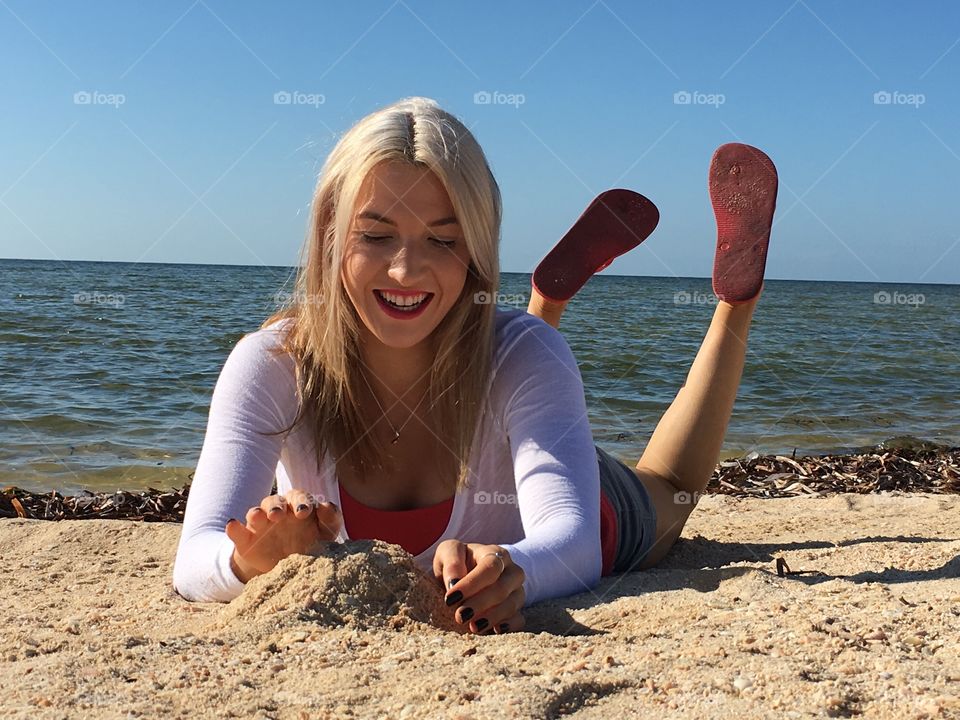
<point x="393" y="400"/>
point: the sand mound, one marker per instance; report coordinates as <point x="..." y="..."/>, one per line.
<point x="363" y="584"/>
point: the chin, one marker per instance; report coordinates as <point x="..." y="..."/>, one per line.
<point x="399" y="338"/>
<point x="401" y="344"/>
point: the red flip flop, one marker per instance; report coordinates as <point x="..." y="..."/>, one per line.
<point x="614" y="223"/>
<point x="743" y="191"/>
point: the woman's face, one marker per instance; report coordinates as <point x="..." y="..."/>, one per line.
<point x="404" y="245"/>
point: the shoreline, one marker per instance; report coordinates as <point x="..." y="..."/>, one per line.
<point x="922" y="469"/>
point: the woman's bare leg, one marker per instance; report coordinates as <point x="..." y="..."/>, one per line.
<point x="685" y="447"/>
<point x="683" y="451"/>
<point x="546" y="309"/>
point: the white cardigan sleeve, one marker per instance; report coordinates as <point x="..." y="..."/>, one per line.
<point x="540" y="389"/>
<point x="255" y="393"/>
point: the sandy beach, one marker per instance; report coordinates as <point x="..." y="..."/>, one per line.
<point x="94" y="629"/>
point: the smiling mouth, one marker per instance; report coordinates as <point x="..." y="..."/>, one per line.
<point x="403" y="308"/>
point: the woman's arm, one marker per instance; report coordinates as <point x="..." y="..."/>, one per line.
<point x="255" y="393"/>
<point x="555" y="464"/>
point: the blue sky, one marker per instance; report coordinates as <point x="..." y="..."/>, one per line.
<point x="178" y="152"/>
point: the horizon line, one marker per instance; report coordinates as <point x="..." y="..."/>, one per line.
<point x="502" y="272"/>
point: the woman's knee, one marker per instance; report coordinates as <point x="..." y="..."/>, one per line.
<point x="672" y="507"/>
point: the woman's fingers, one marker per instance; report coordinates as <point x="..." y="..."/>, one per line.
<point x="487" y="568"/>
<point x="239" y="535"/>
<point x="301" y="502"/>
<point x="511" y="624"/>
<point x="505" y="611"/>
<point x="490" y="593"/>
<point x="493" y="604"/>
<point x="449" y="566"/>
<point x="329" y="519"/>
<point x="257" y="519"/>
<point x="274" y="506"/>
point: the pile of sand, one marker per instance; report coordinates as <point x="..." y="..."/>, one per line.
<point x="93" y="628"/>
<point x="360" y="584"/>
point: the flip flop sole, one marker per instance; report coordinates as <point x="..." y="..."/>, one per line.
<point x="743" y="192"/>
<point x="614" y="223"/>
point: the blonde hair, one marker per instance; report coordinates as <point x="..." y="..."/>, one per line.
<point x="324" y="333"/>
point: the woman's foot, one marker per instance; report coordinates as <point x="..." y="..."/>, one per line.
<point x="743" y="191"/>
<point x="614" y="223"/>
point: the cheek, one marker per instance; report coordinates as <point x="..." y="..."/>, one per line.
<point x="457" y="265"/>
<point x="456" y="277"/>
<point x="354" y="270"/>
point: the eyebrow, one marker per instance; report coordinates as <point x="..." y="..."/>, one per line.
<point x="373" y="215"/>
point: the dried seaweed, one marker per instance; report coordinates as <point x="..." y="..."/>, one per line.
<point x="150" y="505"/>
<point x="922" y="469"/>
<point x="925" y="470"/>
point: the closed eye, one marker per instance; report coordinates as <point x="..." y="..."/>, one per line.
<point x="377" y="238"/>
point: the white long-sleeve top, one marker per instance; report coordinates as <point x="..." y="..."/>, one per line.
<point x="534" y="486"/>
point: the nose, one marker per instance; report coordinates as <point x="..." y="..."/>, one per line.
<point x="406" y="265"/>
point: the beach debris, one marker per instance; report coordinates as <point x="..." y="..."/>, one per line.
<point x="920" y="467"/>
<point x="150" y="505"/>
<point x="783" y="570"/>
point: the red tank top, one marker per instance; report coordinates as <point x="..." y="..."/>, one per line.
<point x="414" y="530"/>
<point x="417" y="529"/>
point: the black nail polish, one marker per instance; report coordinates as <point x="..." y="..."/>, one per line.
<point x="482" y="623"/>
<point x="504" y="627"/>
<point x="453" y="581"/>
<point x="301" y="507"/>
<point x="454" y="597"/>
<point x="465" y="614"/>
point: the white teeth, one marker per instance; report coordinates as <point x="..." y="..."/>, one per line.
<point x="404" y="301"/>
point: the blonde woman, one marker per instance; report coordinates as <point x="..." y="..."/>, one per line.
<point x="394" y="400"/>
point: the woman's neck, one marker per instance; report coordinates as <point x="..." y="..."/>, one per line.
<point x="404" y="373"/>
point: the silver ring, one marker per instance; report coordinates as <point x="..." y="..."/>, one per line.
<point x="497" y="554"/>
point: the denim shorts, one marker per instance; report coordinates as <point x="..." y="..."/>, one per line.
<point x="636" y="515"/>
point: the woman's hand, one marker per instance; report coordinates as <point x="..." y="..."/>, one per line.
<point x="280" y="526"/>
<point x="487" y="593"/>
